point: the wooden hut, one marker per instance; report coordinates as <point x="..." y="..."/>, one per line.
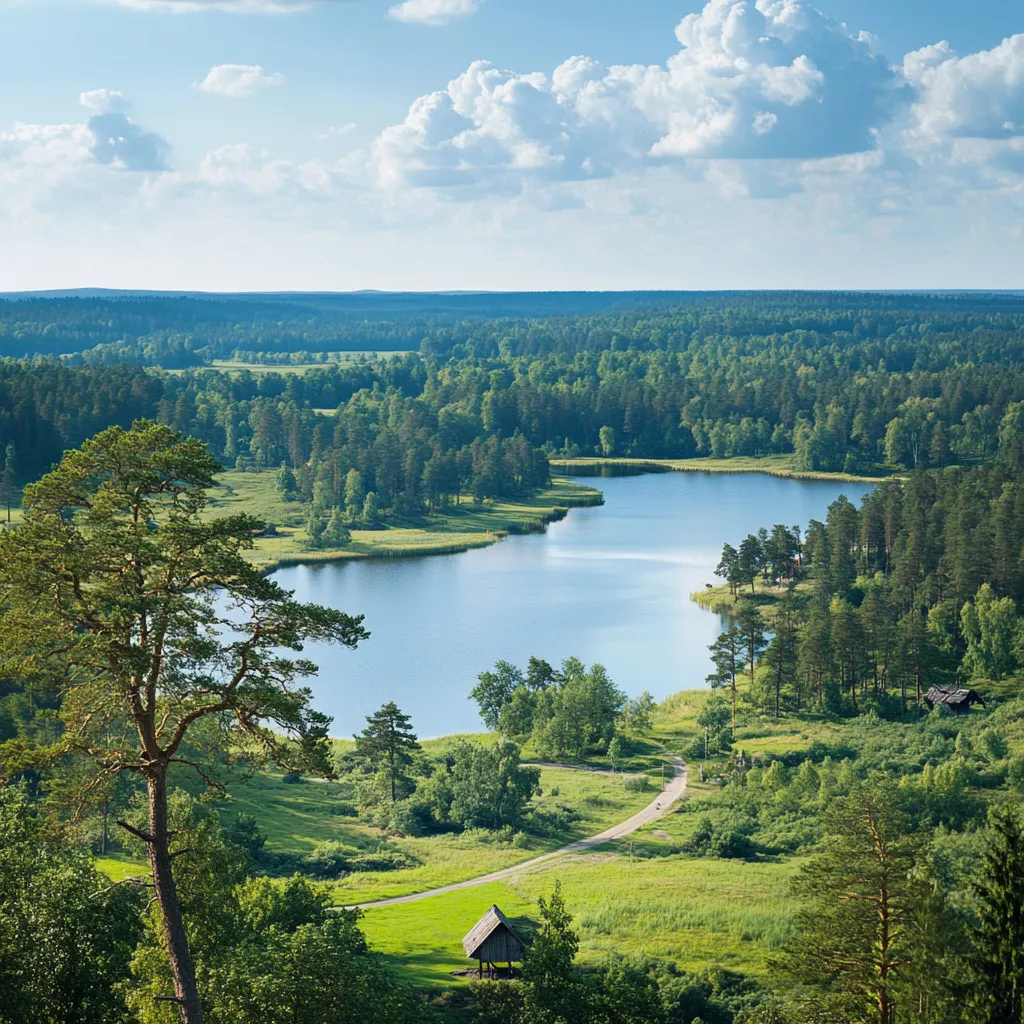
<point x="952" y="699"/>
<point x="493" y="940"/>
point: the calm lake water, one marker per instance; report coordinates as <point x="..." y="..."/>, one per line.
<point x="608" y="584"/>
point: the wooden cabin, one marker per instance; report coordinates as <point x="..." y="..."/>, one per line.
<point x="952" y="699"/>
<point x="492" y="941"/>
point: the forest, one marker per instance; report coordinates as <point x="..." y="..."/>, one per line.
<point x="182" y="836"/>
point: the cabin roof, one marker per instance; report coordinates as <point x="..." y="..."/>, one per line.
<point x="484" y="928"/>
<point x="952" y="696"/>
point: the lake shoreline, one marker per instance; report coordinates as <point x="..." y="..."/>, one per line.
<point x="777" y="466"/>
<point x="430" y="543"/>
<point x="445" y="543"/>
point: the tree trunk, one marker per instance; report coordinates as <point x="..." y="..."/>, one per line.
<point x="186" y="991"/>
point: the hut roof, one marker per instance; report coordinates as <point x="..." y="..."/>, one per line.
<point x="952" y="697"/>
<point x="484" y="928"/>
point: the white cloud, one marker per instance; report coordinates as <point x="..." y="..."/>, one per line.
<point x="433" y="12"/>
<point x="980" y="96"/>
<point x="771" y="80"/>
<point x="63" y="154"/>
<point x="104" y="101"/>
<point x="239" y="81"/>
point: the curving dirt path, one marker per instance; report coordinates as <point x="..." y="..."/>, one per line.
<point x="655" y="809"/>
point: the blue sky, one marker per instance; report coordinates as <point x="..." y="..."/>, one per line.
<point x="340" y="144"/>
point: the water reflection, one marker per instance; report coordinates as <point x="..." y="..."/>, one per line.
<point x="609" y="584"/>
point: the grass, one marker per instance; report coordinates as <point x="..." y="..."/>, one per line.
<point x="696" y="912"/>
<point x="637" y="895"/>
<point x="449" y="531"/>
<point x="599" y="801"/>
<point x="773" y="465"/>
<point x="296" y="816"/>
<point x="721" y="599"/>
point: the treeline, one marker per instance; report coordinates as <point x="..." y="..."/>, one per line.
<point x="855" y="388"/>
<point x="921" y="585"/>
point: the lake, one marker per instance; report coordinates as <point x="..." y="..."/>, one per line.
<point x="610" y="584"/>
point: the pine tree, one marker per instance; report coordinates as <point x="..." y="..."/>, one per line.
<point x="752" y="632"/>
<point x="997" y="961"/>
<point x="727" y="654"/>
<point x="387" y="745"/>
<point x="861" y="901"/>
<point x="9" y="473"/>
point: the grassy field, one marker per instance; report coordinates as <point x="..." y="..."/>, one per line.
<point x="638" y="895"/>
<point x="773" y="465"/>
<point x="296" y="816"/>
<point x="455" y="529"/>
<point x="697" y="912"/>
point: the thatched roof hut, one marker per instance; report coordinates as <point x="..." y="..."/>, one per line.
<point x="493" y="940"/>
<point x="952" y="699"/>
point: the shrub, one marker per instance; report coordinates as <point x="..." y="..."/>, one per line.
<point x="329" y="859"/>
<point x="344" y="810"/>
<point x="636" y="783"/>
<point x="725" y="839"/>
<point x="383" y="860"/>
<point x="1015" y="775"/>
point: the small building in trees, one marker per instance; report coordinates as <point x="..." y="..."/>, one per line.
<point x="492" y="941"/>
<point x="952" y="699"/>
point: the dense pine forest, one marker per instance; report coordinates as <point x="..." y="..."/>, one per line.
<point x="858" y="754"/>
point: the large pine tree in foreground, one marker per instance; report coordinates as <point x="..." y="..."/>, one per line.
<point x="154" y="622"/>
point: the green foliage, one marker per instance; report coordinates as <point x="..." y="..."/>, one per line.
<point x="991" y="628"/>
<point x="483" y="786"/>
<point x="552" y="986"/>
<point x="66" y="934"/>
<point x="997" y="961"/>
<point x="862" y="927"/>
<point x="385" y="748"/>
<point x="494" y="691"/>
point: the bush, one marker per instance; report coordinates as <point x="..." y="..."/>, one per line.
<point x="725" y="839"/>
<point x="1015" y="775"/>
<point x="383" y="860"/>
<point x="636" y="783"/>
<point x="329" y="859"/>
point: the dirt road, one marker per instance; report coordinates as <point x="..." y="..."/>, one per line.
<point x="654" y="810"/>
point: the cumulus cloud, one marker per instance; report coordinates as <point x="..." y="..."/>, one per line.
<point x="775" y="79"/>
<point x="433" y="12"/>
<point x="980" y="96"/>
<point x="122" y="144"/>
<point x="239" y="81"/>
<point x="104" y="101"/>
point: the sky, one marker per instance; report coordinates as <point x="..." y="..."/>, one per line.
<point x="511" y="144"/>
